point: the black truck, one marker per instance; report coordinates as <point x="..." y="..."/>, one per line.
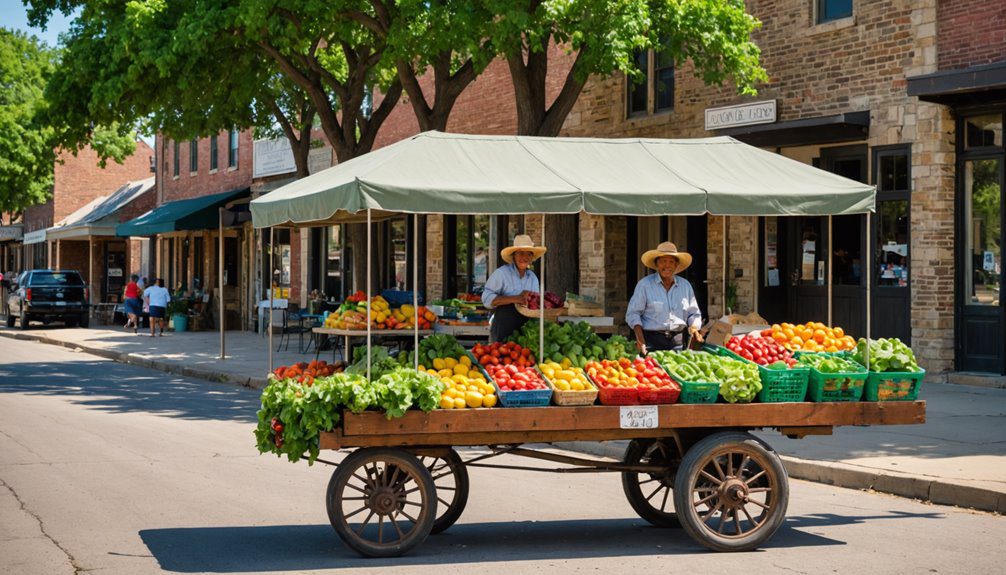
<point x="46" y="296"/>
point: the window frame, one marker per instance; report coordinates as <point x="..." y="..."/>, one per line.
<point x="194" y="156"/>
<point x="893" y="195"/>
<point x="233" y="144"/>
<point x="821" y="8"/>
<point x="650" y="87"/>
<point x="214" y="149"/>
<point x="176" y="160"/>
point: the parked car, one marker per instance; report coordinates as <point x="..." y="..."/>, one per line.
<point x="46" y="296"/>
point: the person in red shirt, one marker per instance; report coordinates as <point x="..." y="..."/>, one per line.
<point x="134" y="303"/>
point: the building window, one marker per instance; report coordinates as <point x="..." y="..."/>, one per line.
<point x="893" y="248"/>
<point x="654" y="93"/>
<point x="828" y="10"/>
<point x="466" y="247"/>
<point x="232" y="149"/>
<point x="176" y="161"/>
<point x="638" y="88"/>
<point x="194" y="156"/>
<point x="213" y="153"/>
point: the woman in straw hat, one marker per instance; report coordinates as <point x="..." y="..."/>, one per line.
<point x="510" y="285"/>
<point x="663" y="306"/>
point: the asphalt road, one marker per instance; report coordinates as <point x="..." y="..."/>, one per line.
<point x="111" y="468"/>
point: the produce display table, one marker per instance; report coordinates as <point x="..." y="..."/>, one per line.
<point x="693" y="466"/>
<point x="348" y="334"/>
<point x="479" y="331"/>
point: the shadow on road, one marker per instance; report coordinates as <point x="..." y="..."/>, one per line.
<point x="120" y="388"/>
<point x="310" y="547"/>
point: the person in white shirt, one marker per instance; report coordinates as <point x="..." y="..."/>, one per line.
<point x="157" y="297"/>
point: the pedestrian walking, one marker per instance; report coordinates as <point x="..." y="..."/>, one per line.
<point x="157" y="297"/>
<point x="134" y="303"/>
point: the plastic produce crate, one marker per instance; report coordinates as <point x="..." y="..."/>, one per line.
<point x="777" y="385"/>
<point x="893" y="386"/>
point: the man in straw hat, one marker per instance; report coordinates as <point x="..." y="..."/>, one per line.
<point x="510" y="285"/>
<point x="663" y="306"/>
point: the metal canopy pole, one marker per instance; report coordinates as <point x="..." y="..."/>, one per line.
<point x="831" y="280"/>
<point x="220" y="282"/>
<point x="368" y="291"/>
<point x="869" y="285"/>
<point x="541" y="299"/>
<point x="90" y="272"/>
<point x="725" y="265"/>
<point x="269" y="323"/>
<point x="415" y="289"/>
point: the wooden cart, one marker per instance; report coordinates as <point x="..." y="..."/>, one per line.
<point x="693" y="466"/>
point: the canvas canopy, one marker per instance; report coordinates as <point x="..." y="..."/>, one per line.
<point x="434" y="172"/>
<point x="100" y="217"/>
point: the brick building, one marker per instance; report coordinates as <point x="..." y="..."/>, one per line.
<point x="79" y="182"/>
<point x="908" y="96"/>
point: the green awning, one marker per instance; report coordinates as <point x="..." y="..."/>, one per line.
<point x="438" y="173"/>
<point x="199" y="213"/>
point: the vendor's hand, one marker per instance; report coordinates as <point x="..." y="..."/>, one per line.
<point x="641" y="346"/>
<point x="694" y="332"/>
<point x="524" y="295"/>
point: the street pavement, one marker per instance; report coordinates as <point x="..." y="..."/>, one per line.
<point x="115" y="468"/>
<point x="958" y="457"/>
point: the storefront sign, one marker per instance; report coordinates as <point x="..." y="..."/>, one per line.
<point x="740" y="115"/>
<point x="35" y="237"/>
<point x="271" y="157"/>
<point x="8" y="233"/>
<point x="115" y="272"/>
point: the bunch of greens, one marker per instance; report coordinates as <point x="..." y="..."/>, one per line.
<point x="293" y="414"/>
<point x="739" y="380"/>
<point x="575" y="341"/>
<point x="618" y="347"/>
<point x="438" y="346"/>
<point x="381" y="362"/>
<point x="829" y="363"/>
<point x="886" y="355"/>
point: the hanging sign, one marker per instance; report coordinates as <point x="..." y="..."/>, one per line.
<point x="741" y="115"/>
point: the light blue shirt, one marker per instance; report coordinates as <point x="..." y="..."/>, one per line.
<point x="506" y="281"/>
<point x="659" y="309"/>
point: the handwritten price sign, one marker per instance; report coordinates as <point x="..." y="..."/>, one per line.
<point x="638" y="417"/>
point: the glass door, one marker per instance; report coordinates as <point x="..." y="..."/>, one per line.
<point x="980" y="173"/>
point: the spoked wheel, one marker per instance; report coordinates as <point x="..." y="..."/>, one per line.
<point x="451" y="479"/>
<point x="649" y="494"/>
<point x="388" y="495"/>
<point x="731" y="492"/>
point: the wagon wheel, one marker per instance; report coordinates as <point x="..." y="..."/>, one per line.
<point x="649" y="493"/>
<point x="451" y="479"/>
<point x="390" y="497"/>
<point x="731" y="492"/>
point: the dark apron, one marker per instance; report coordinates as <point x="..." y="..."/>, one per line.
<point x="506" y="320"/>
<point x="660" y="340"/>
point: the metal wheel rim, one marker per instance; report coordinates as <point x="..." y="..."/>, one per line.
<point x="444" y="480"/>
<point x="657" y="488"/>
<point x="385" y="498"/>
<point x="733" y="495"/>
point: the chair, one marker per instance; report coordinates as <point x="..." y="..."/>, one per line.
<point x="292" y="324"/>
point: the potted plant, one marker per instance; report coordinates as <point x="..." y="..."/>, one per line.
<point x="178" y="311"/>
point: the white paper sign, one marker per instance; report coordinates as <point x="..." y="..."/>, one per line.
<point x="638" y="417"/>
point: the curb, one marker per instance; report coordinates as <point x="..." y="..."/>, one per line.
<point x="826" y="472"/>
<point x="140" y="361"/>
<point x="851" y="477"/>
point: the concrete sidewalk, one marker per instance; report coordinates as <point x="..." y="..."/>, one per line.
<point x="958" y="457"/>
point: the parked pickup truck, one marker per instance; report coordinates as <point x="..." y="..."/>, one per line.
<point x="46" y="296"/>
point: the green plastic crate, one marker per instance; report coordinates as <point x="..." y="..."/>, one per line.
<point x="698" y="391"/>
<point x="777" y="386"/>
<point x="695" y="391"/>
<point x="893" y="386"/>
<point x="841" y="386"/>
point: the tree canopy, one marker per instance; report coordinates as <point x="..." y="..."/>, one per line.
<point x="26" y="153"/>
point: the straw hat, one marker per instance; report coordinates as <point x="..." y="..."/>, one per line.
<point x="522" y="243"/>
<point x="667" y="249"/>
